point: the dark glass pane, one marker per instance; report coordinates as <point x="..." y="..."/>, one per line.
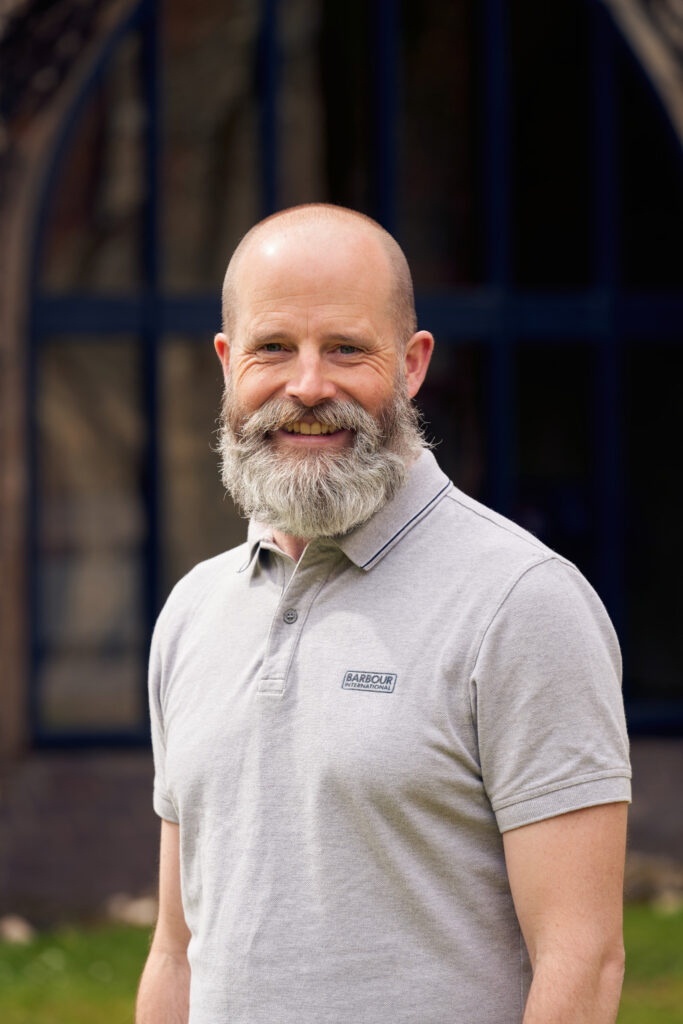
<point x="439" y="148"/>
<point x="654" y="439"/>
<point x="303" y="129"/>
<point x="651" y="173"/>
<point x="198" y="519"/>
<point x="212" y="173"/>
<point x="348" y="94"/>
<point x="556" y="440"/>
<point x="452" y="400"/>
<point x="550" y="137"/>
<point x="94" y="232"/>
<point x="91" y="632"/>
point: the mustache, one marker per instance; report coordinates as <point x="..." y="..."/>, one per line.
<point x="278" y="412"/>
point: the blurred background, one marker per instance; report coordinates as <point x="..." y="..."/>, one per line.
<point x="527" y="156"/>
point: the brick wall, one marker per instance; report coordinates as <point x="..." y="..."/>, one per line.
<point x="75" y="828"/>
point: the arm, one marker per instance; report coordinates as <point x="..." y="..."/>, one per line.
<point x="566" y="876"/>
<point x="163" y="996"/>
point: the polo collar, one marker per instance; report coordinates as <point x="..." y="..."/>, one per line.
<point x="365" y="546"/>
<point x="257" y="534"/>
<point x="426" y="485"/>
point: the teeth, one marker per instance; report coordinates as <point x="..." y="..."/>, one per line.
<point x="298" y="427"/>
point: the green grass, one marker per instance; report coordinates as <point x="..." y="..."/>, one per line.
<point x="653" y="987"/>
<point x="75" y="976"/>
<point x="89" y="976"/>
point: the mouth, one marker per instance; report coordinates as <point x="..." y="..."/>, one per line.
<point x="309" y="429"/>
<point x="315" y="434"/>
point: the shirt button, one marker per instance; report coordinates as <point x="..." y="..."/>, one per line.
<point x="290" y="616"/>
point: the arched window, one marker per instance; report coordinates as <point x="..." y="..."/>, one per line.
<point x="528" y="168"/>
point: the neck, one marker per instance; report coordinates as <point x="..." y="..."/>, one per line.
<point x="292" y="546"/>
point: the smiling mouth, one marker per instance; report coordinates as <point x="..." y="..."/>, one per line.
<point x="315" y="428"/>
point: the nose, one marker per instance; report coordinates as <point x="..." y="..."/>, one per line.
<point x="310" y="382"/>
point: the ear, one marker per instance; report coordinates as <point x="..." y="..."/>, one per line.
<point x="222" y="347"/>
<point x="416" y="360"/>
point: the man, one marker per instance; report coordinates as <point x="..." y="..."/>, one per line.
<point x="389" y="742"/>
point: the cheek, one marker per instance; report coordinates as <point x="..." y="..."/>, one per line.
<point x="253" y="383"/>
<point x="375" y="390"/>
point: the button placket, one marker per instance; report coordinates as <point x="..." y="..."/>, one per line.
<point x="288" y="623"/>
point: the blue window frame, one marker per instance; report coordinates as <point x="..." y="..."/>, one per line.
<point x="496" y="318"/>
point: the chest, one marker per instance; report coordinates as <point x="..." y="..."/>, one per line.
<point x="320" y="691"/>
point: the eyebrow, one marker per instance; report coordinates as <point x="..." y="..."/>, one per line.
<point x="259" y="338"/>
<point x="350" y="339"/>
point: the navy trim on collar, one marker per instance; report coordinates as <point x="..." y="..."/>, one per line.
<point x="425" y="487"/>
<point x="368" y="544"/>
<point x="418" y="515"/>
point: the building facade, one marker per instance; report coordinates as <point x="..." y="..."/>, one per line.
<point x="528" y="159"/>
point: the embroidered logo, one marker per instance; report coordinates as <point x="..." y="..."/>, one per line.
<point x="376" y="682"/>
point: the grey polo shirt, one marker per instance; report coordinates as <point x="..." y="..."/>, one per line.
<point x="344" y="741"/>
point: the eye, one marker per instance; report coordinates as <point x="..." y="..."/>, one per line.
<point x="347" y="350"/>
<point x="272" y="346"/>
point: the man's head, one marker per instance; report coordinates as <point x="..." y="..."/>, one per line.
<point x="320" y="357"/>
<point x="400" y="298"/>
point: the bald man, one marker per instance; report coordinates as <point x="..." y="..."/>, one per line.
<point x="390" y="755"/>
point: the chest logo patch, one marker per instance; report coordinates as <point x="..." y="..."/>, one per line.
<point x="375" y="682"/>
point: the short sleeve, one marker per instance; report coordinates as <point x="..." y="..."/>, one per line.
<point x="547" y="702"/>
<point x="163" y="804"/>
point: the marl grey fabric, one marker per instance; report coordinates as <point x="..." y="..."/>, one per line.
<point x="343" y="742"/>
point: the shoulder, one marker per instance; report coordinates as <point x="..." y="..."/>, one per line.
<point x="529" y="571"/>
<point x="467" y="545"/>
<point x="190" y="591"/>
<point x="552" y="598"/>
<point x="489" y="529"/>
<point x="505" y="574"/>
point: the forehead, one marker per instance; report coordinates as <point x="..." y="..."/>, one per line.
<point x="316" y="265"/>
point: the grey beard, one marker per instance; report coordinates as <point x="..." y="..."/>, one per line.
<point x="306" y="492"/>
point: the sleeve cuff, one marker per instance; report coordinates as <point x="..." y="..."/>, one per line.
<point x="616" y="789"/>
<point x="164" y="807"/>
